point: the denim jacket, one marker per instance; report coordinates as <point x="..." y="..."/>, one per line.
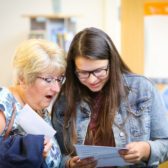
<point x="142" y="117"/>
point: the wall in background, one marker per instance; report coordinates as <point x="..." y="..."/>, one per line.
<point x="14" y="29"/>
<point x="132" y="34"/>
<point x="156" y="39"/>
<point x="103" y="14"/>
<point x="144" y="39"/>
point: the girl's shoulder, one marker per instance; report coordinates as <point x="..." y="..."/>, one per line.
<point x="138" y="81"/>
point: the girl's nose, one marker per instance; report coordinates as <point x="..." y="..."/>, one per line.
<point x="92" y="78"/>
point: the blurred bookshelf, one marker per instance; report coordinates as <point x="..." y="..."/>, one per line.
<point x="58" y="28"/>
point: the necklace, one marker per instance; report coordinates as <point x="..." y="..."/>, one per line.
<point x="41" y="112"/>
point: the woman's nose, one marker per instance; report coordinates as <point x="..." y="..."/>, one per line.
<point x="56" y="86"/>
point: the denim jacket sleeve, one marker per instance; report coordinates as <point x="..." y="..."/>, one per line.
<point x="159" y="130"/>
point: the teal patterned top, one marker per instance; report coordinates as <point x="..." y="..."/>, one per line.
<point x="7" y="101"/>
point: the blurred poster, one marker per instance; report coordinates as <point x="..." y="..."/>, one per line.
<point x="156" y="39"/>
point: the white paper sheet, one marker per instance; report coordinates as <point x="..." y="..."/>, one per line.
<point x="32" y="123"/>
<point x="106" y="156"/>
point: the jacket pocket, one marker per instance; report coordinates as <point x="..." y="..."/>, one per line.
<point x="139" y="118"/>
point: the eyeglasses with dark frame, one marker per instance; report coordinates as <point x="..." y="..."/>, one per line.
<point x="99" y="73"/>
<point x="51" y="80"/>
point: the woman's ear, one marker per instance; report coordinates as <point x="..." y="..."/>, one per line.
<point x="22" y="81"/>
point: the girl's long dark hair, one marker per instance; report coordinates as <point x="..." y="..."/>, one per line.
<point x="94" y="44"/>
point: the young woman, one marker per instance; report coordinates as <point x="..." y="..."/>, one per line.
<point x="104" y="103"/>
<point x="39" y="67"/>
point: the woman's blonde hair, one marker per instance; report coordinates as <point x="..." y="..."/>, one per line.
<point x="36" y="56"/>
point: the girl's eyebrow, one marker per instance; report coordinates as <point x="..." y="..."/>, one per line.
<point x="91" y="70"/>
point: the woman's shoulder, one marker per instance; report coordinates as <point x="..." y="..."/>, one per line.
<point x="7" y="101"/>
<point x="4" y="91"/>
<point x="6" y="97"/>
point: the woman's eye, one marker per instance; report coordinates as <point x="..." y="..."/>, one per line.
<point x="59" y="80"/>
<point x="48" y="80"/>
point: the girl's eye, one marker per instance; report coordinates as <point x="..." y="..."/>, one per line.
<point x="97" y="70"/>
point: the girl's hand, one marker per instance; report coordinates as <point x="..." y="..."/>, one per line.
<point x="137" y="151"/>
<point x="47" y="146"/>
<point x="76" y="162"/>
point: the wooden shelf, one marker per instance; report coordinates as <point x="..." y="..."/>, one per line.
<point x="59" y="28"/>
<point x="51" y="16"/>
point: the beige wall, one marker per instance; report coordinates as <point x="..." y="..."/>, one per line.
<point x="132" y="33"/>
<point x="14" y="28"/>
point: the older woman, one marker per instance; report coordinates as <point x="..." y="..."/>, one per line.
<point x="39" y="67"/>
